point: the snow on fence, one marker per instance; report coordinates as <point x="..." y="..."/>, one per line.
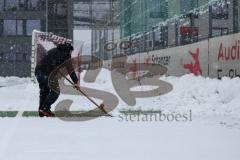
<point x="216" y="57"/>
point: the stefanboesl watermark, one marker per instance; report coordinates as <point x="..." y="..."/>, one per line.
<point x="160" y="116"/>
<point x="119" y="70"/>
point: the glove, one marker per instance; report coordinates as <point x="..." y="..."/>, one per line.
<point x="76" y="86"/>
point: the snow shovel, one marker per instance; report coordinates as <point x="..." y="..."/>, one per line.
<point x="101" y="106"/>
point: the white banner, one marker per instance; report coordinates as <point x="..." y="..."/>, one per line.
<point x="224" y="56"/>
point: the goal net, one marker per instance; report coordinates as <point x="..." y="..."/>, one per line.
<point x="42" y="42"/>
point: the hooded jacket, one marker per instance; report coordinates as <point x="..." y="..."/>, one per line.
<point x="54" y="58"/>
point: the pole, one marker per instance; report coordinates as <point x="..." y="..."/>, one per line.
<point x="46" y="15"/>
<point x="235" y="16"/>
<point x="210" y="22"/>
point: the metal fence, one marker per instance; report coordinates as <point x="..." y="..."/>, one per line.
<point x="142" y="29"/>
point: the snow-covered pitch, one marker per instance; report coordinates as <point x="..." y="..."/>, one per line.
<point x="213" y="133"/>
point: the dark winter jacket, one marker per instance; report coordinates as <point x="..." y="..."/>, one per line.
<point x="55" y="58"/>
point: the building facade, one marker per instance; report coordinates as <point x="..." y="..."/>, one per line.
<point x="102" y="18"/>
<point x="140" y="15"/>
<point x="18" y="18"/>
<point x="158" y="24"/>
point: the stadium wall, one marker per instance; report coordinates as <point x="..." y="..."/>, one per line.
<point x="216" y="57"/>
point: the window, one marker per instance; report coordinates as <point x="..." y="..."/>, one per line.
<point x="158" y="9"/>
<point x="33" y="4"/>
<point x="219" y="31"/>
<point x="31" y="25"/>
<point x="19" y="27"/>
<point x="188" y="5"/>
<point x="1" y="5"/>
<point x="220" y="10"/>
<point x="28" y="5"/>
<point x="58" y="9"/>
<point x="11" y="5"/>
<point x="1" y="57"/>
<point x="160" y="37"/>
<point x="19" y="57"/>
<point x="1" y="27"/>
<point x="22" y="5"/>
<point x="10" y="57"/>
<point x="9" y="27"/>
<point x="26" y="57"/>
<point x="189" y="34"/>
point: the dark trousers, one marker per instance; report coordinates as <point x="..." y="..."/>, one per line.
<point x="47" y="95"/>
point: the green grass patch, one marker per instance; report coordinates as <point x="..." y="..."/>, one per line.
<point x="79" y="114"/>
<point x="66" y="114"/>
<point x="30" y="114"/>
<point x="10" y="114"/>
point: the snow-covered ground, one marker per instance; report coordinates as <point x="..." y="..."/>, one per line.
<point x="107" y="139"/>
<point x="213" y="133"/>
<point x="204" y="96"/>
<point x="12" y="81"/>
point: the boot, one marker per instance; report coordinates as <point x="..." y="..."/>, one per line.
<point x="44" y="112"/>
